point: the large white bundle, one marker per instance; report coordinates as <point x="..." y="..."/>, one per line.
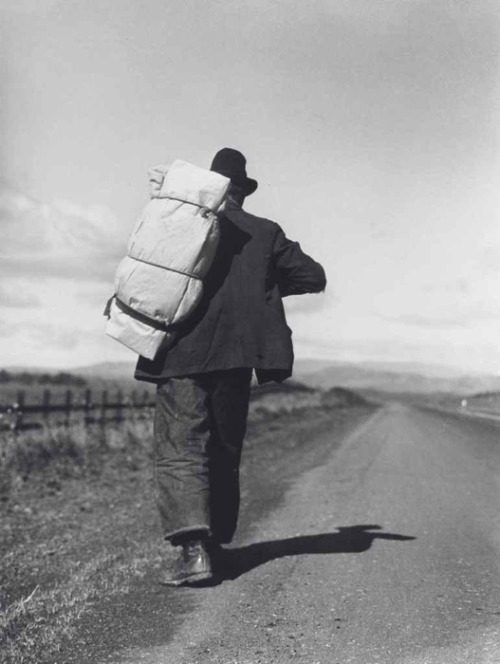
<point x="159" y="283"/>
<point x="137" y="335"/>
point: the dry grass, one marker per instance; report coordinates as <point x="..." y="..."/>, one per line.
<point x="75" y="451"/>
<point x="42" y="621"/>
<point x="71" y="499"/>
<point x="57" y="488"/>
<point x="65" y="452"/>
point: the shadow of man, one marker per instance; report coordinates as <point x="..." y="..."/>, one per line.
<point x="348" y="539"/>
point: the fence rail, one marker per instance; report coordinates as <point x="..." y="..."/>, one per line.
<point x="21" y="415"/>
<point x="96" y="407"/>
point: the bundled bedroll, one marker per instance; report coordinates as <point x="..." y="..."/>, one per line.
<point x="160" y="281"/>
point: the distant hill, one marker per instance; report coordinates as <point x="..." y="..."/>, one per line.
<point x="392" y="377"/>
<point x="388" y="377"/>
<point x="100" y="370"/>
<point x="102" y="376"/>
<point x="112" y="375"/>
<point x="304" y="366"/>
<point x="339" y="396"/>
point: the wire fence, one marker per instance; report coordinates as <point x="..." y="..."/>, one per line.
<point x="87" y="407"/>
<point x="34" y="410"/>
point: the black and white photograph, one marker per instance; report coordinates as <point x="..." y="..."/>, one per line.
<point x="250" y="332"/>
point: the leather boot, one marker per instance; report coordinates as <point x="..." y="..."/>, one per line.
<point x="190" y="566"/>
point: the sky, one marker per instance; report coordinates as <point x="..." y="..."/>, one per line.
<point x="372" y="127"/>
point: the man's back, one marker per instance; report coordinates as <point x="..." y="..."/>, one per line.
<point x="204" y="379"/>
<point x="240" y="321"/>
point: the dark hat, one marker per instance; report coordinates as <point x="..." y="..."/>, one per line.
<point x="232" y="164"/>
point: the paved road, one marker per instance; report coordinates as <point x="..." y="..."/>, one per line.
<point x="388" y="552"/>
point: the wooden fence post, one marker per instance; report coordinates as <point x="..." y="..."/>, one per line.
<point x="135" y="402"/>
<point x="46" y="406"/>
<point x="68" y="407"/>
<point x="87" y="406"/>
<point x="119" y="407"/>
<point x="104" y="405"/>
<point x="18" y="409"/>
<point x="132" y="400"/>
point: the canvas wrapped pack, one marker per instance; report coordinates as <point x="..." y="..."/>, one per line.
<point x="160" y="282"/>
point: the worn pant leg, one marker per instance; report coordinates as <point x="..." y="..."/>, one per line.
<point x="181" y="455"/>
<point x="229" y="398"/>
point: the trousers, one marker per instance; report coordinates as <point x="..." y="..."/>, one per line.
<point x="200" y="424"/>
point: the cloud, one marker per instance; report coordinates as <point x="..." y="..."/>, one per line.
<point x="489" y="261"/>
<point x="57" y="240"/>
<point x="63" y="338"/>
<point x="455" y="314"/>
<point x="459" y="320"/>
<point x="28" y="6"/>
<point x="306" y="304"/>
<point x="61" y="344"/>
<point x="7" y="331"/>
<point x="14" y="297"/>
<point x="359" y="350"/>
<point x="51" y="254"/>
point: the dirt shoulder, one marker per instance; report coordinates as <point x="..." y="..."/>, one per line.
<point x="80" y="553"/>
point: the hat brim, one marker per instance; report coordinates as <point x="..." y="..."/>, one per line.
<point x="250" y="186"/>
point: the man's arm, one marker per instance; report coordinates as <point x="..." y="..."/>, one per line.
<point x="297" y="273"/>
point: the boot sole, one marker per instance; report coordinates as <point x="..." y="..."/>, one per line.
<point x="193" y="579"/>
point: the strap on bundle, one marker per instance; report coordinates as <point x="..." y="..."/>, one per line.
<point x="164" y="267"/>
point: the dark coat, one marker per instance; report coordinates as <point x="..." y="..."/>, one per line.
<point x="241" y="321"/>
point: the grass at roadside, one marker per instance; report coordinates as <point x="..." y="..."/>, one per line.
<point x="79" y="522"/>
<point x="58" y="492"/>
<point x="55" y="454"/>
<point x="52" y="455"/>
<point x="35" y="626"/>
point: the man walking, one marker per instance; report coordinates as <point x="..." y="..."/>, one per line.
<point x="203" y="381"/>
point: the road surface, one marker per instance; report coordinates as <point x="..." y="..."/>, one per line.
<point x="387" y="552"/>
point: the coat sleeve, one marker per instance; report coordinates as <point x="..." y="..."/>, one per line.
<point x="296" y="272"/>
